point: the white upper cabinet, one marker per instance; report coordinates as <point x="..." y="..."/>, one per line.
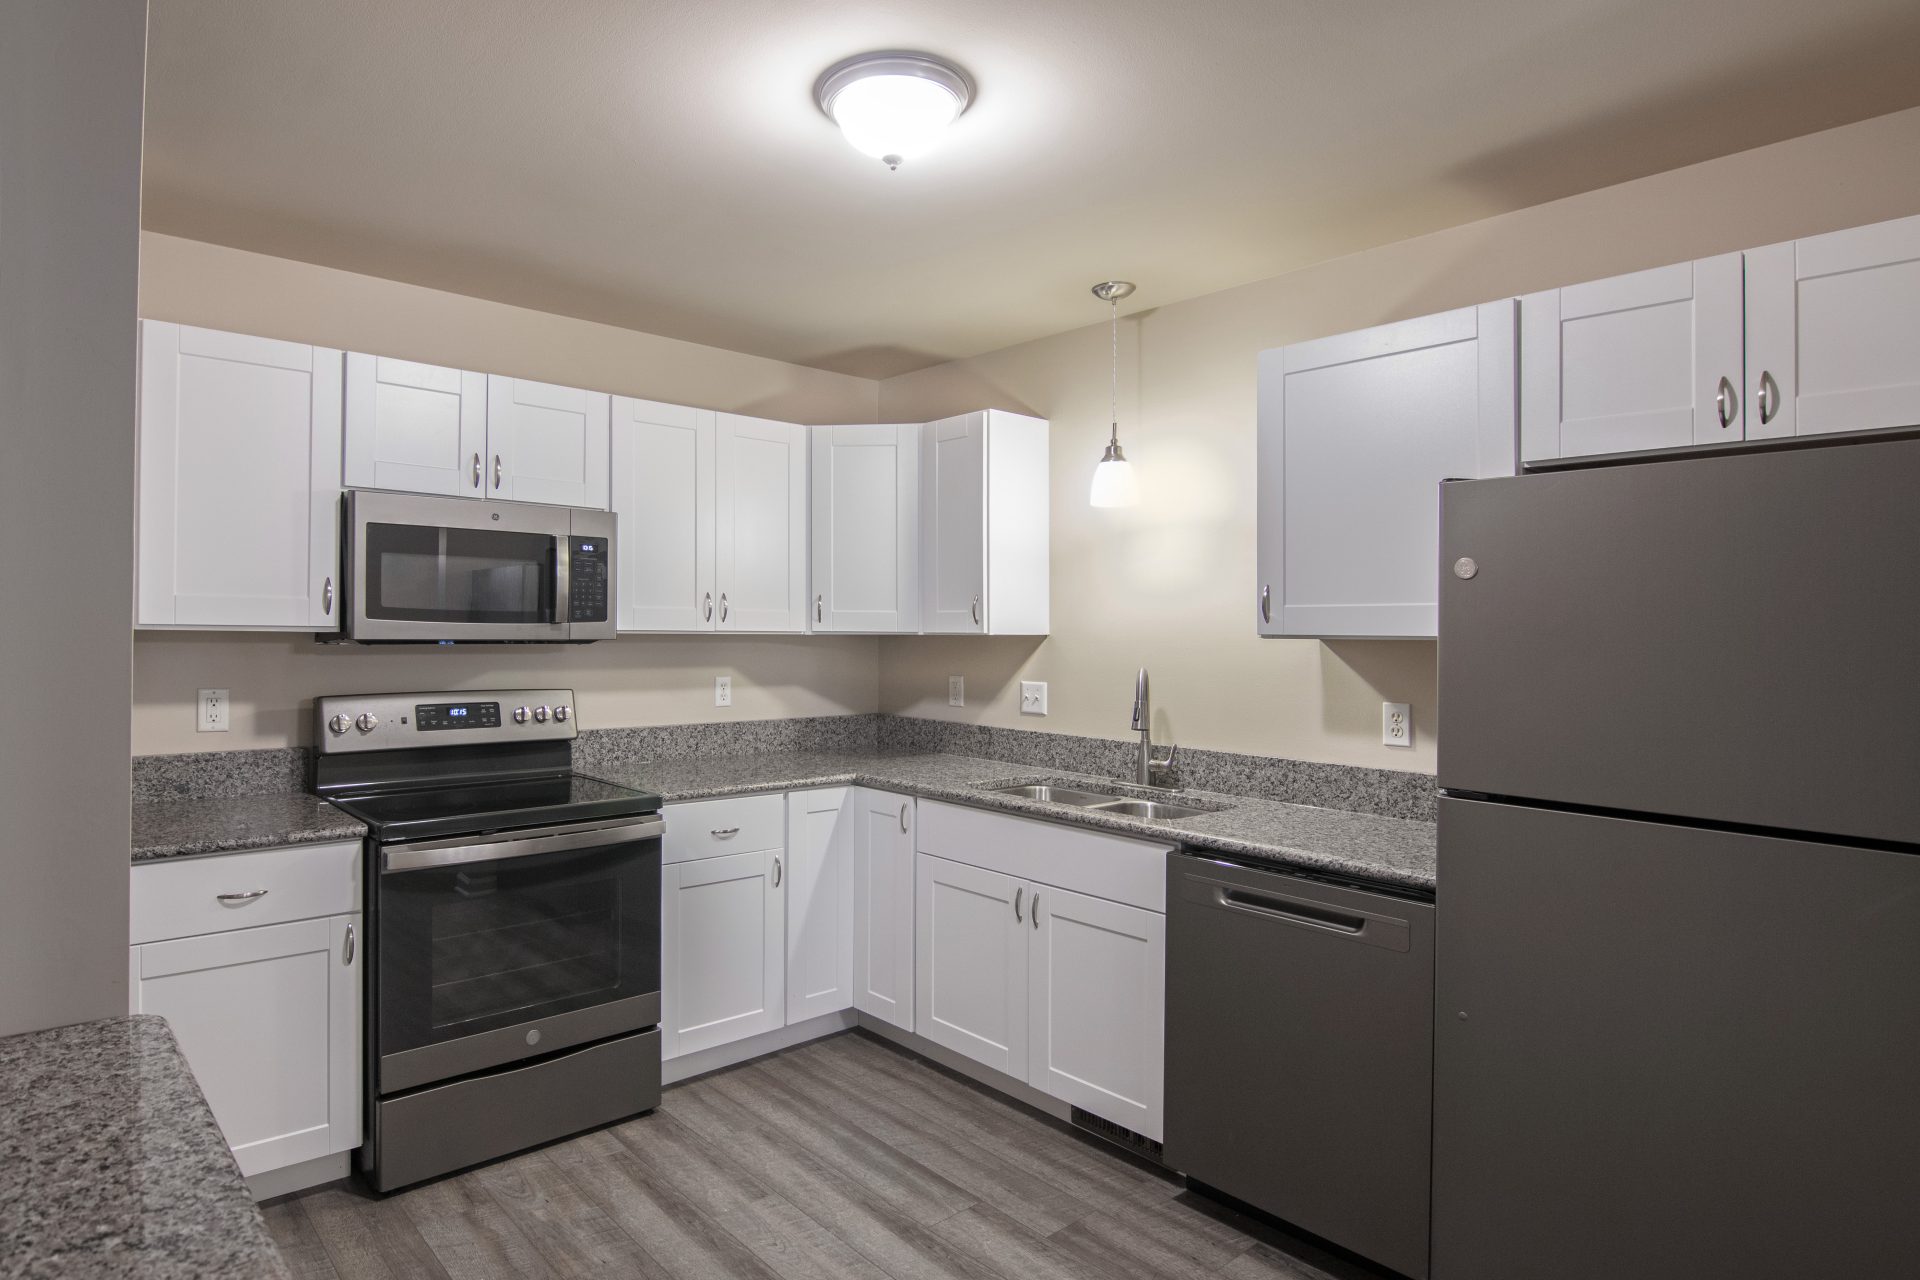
<point x="1356" y="432"/>
<point x="866" y="528"/>
<point x="663" y="493"/>
<point x="760" y="513"/>
<point x="420" y="428"/>
<point x="1833" y="332"/>
<point x="239" y="481"/>
<point x="1651" y="360"/>
<point x="547" y="443"/>
<point x="984" y="525"/>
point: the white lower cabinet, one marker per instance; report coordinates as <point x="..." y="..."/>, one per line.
<point x="877" y="839"/>
<point x="972" y="962"/>
<point x="819" y="906"/>
<point x="723" y="950"/>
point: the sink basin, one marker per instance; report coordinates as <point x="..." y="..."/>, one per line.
<point x="1148" y="809"/>
<point x="1053" y="795"/>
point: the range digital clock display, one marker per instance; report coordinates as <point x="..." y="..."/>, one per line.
<point x="434" y="716"/>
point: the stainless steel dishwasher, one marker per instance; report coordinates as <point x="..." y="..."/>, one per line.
<point x="1300" y="1051"/>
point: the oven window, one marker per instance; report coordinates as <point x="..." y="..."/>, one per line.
<point x="420" y="573"/>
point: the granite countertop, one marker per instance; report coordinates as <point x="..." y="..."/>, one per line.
<point x="1389" y="850"/>
<point x="111" y="1163"/>
<point x="183" y="827"/>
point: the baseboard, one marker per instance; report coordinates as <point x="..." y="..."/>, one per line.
<point x="698" y="1063"/>
<point x="1014" y="1087"/>
<point x="275" y="1183"/>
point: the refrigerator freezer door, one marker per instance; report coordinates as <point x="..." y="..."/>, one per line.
<point x="1734" y="638"/>
<point x="1667" y="1052"/>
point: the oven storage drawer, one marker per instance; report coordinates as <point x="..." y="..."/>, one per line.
<point x="437" y="1130"/>
<point x="737" y="824"/>
<point x="185" y="897"/>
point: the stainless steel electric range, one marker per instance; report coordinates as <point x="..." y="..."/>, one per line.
<point x="513" y="912"/>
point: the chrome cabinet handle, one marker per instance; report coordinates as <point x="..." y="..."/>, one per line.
<point x="709" y="607"/>
<point x="776" y="873"/>
<point x="903" y="819"/>
<point x="1266" y="603"/>
<point x="1769" y="397"/>
<point x="976" y="611"/>
<point x="818" y="603"/>
<point x="476" y="471"/>
<point x="1018" y="892"/>
<point x="348" y="958"/>
<point x="1033" y="908"/>
<point x="1723" y="399"/>
<point x="723" y="833"/>
<point x="326" y="598"/>
<point x="249" y="896"/>
<point x="496" y="471"/>
<point x="723" y="606"/>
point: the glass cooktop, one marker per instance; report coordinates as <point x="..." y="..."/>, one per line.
<point x="473" y="806"/>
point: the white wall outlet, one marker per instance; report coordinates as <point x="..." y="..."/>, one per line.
<point x="1396" y="724"/>
<point x="723" y="691"/>
<point x="956" y="691"/>
<point x="1033" y="697"/>
<point x="213" y="711"/>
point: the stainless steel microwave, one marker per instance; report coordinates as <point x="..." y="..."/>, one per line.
<point x="429" y="570"/>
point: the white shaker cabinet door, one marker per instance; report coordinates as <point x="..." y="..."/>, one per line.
<point x="547" y="443"/>
<point x="269" y="1020"/>
<point x="239" y="481"/>
<point x="971" y="962"/>
<point x="866" y="518"/>
<point x="761" y="524"/>
<point x="1652" y="360"/>
<point x="418" y="428"/>
<point x="1097" y="1006"/>
<point x="663" y="496"/>
<point x="878" y="829"/>
<point x="953" y="470"/>
<point x="723" y="950"/>
<point x="819" y="893"/>
<point x="1833" y="332"/>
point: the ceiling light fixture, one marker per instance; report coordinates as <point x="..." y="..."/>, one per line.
<point x="1113" y="482"/>
<point x="893" y="106"/>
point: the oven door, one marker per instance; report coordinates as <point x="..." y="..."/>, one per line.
<point x="433" y="569"/>
<point x="512" y="945"/>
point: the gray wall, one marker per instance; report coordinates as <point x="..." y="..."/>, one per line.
<point x="71" y="79"/>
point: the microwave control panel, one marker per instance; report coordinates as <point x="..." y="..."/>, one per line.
<point x="586" y="579"/>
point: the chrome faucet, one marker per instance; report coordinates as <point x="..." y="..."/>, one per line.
<point x="1148" y="771"/>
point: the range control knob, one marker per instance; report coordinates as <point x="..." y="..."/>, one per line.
<point x="339" y="724"/>
<point x="540" y="714"/>
<point x="367" y="722"/>
<point x="561" y="712"/>
<point x="520" y="715"/>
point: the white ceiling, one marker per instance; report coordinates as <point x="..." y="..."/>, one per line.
<point x="660" y="164"/>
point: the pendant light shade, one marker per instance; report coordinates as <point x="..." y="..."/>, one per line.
<point x="1113" y="480"/>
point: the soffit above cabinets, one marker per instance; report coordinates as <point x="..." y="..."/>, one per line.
<point x="662" y="166"/>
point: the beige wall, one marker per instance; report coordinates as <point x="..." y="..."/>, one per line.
<point x="1170" y="584"/>
<point x="70" y="86"/>
<point x="631" y="680"/>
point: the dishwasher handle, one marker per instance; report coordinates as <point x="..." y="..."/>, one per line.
<point x="1334" y="920"/>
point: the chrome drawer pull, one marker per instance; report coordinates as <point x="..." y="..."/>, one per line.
<point x="248" y="896"/>
<point x="348" y="958"/>
<point x="776" y="873"/>
<point x="723" y="833"/>
<point x="903" y="819"/>
<point x="1018" y="890"/>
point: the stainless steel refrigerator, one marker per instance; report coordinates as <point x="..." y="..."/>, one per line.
<point x="1677" y="1021"/>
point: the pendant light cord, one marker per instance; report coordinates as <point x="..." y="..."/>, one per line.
<point x="1113" y="395"/>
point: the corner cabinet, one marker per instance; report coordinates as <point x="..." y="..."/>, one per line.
<point x="1356" y="432"/>
<point x="239" y="481"/>
<point x="866" y="529"/>
<point x="876" y="833"/>
<point x="984" y="488"/>
<point x="819" y="905"/>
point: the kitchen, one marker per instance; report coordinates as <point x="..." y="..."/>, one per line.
<point x="937" y="885"/>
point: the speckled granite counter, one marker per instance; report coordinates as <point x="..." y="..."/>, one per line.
<point x="179" y="828"/>
<point x="1390" y="850"/>
<point x="112" y="1165"/>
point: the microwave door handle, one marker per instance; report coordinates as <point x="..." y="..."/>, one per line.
<point x="447" y="853"/>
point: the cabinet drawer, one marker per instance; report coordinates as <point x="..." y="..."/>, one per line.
<point x="1091" y="862"/>
<point x="181" y="898"/>
<point x="737" y="824"/>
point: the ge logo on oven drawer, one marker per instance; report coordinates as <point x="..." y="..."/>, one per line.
<point x="533" y="1036"/>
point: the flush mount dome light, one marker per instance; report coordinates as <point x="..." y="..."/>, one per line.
<point x="893" y="106"/>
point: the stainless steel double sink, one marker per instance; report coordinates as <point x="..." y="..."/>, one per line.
<point x="1099" y="801"/>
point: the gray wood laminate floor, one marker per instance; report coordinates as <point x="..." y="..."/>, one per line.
<point x="846" y="1157"/>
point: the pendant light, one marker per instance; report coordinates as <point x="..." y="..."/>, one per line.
<point x="1113" y="482"/>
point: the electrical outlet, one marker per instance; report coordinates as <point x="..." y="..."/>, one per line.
<point x="956" y="691"/>
<point x="1033" y="697"/>
<point x="213" y="711"/>
<point x="723" y="691"/>
<point x="1396" y="724"/>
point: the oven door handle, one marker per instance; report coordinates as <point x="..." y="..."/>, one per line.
<point x="446" y="853"/>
